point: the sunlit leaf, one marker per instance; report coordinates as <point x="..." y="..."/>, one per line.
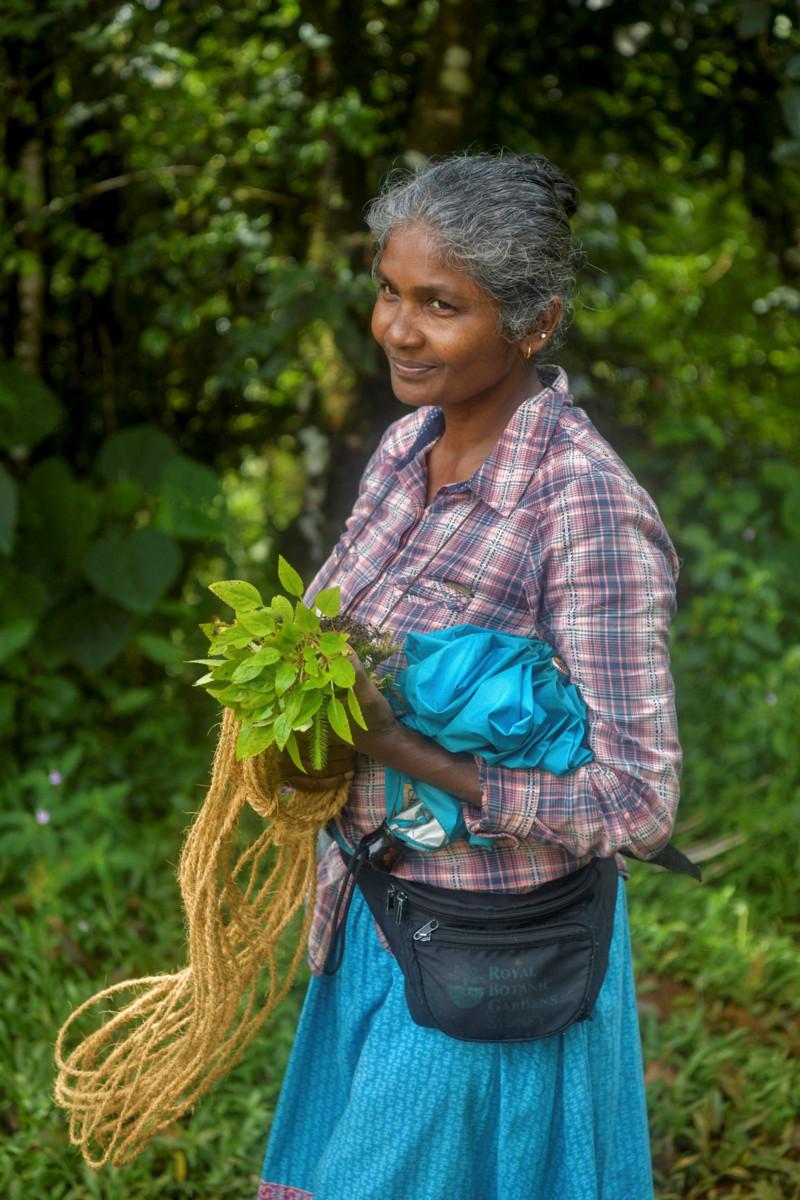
<point x="338" y="719"/>
<point x="294" y="753"/>
<point x="332" y="643"/>
<point x="282" y="607"/>
<point x="355" y="708"/>
<point x="342" y="672"/>
<point x="328" y="601"/>
<point x="290" y="579"/>
<point x="253" y="740"/>
<point x="238" y="593"/>
<point x="285" y="676"/>
<point x="305" y="619"/>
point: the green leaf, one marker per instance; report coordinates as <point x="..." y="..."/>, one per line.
<point x="14" y="635"/>
<point x="290" y="638"/>
<point x="91" y="631"/>
<point x="28" y="409"/>
<point x="342" y="672"/>
<point x="283" y="730"/>
<point x="338" y="720"/>
<point x="312" y="663"/>
<point x="285" y="676"/>
<point x="294" y="752"/>
<point x="135" y="569"/>
<point x="158" y="649"/>
<point x="238" y="593"/>
<point x="290" y="580"/>
<point x="230" y="637"/>
<point x="59" y="514"/>
<point x="267" y="655"/>
<point x="305" y="619"/>
<point x="333" y="643"/>
<point x="252" y="740"/>
<point x="320" y="681"/>
<point x="294" y="704"/>
<point x="233" y="694"/>
<point x="138" y="452"/>
<point x="328" y="601"/>
<point x="247" y="670"/>
<point x="191" y="504"/>
<point x="312" y="703"/>
<point x="259" y="622"/>
<point x="355" y="708"/>
<point x="282" y="608"/>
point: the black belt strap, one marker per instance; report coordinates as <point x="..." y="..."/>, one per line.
<point x="673" y="859"/>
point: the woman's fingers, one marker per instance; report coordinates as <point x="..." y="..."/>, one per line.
<point x="317" y="783"/>
<point x="339" y="767"/>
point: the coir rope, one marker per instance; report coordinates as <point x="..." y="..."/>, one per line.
<point x="152" y="1059"/>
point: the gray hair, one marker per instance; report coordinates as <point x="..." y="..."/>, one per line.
<point x="502" y="218"/>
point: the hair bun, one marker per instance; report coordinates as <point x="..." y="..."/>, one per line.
<point x="550" y="176"/>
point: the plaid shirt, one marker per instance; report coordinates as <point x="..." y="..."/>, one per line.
<point x="552" y="538"/>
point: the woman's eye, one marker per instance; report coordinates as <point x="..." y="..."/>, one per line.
<point x="443" y="306"/>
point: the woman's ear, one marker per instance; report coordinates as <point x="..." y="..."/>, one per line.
<point x="540" y="335"/>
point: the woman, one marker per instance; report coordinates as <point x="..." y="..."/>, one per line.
<point x="494" y="502"/>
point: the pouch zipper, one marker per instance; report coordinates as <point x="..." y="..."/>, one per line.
<point x="463" y="916"/>
<point x="506" y="937"/>
<point x="396" y="900"/>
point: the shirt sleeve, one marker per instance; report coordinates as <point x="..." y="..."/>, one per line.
<point x="605" y="576"/>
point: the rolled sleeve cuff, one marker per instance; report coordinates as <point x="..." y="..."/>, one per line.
<point x="506" y="811"/>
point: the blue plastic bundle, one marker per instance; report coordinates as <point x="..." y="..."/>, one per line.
<point x="504" y="697"/>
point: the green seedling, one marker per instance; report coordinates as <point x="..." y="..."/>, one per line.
<point x="284" y="667"/>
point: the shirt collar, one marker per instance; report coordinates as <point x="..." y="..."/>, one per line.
<point x="503" y="477"/>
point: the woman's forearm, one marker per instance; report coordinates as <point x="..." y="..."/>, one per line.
<point x="422" y="758"/>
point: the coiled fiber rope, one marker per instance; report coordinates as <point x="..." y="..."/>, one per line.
<point x="154" y="1058"/>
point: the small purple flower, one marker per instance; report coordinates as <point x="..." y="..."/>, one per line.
<point x="770" y="698"/>
<point x="749" y="533"/>
<point x="42" y="816"/>
<point x="55" y="778"/>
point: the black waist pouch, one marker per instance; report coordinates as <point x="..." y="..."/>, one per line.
<point x="498" y="966"/>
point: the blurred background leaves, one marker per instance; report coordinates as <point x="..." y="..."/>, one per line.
<point x="188" y="388"/>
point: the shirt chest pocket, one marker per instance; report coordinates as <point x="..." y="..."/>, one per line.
<point x="430" y="594"/>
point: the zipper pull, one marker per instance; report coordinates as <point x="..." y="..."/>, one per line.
<point x="423" y="934"/>
<point x="399" y="906"/>
<point x="391" y="893"/>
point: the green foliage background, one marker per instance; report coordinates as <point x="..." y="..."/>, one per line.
<point x="187" y="387"/>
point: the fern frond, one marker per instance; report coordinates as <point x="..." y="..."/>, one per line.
<point x="318" y="740"/>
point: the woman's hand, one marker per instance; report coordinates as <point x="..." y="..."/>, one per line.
<point x="341" y="757"/>
<point x="339" y="768"/>
<point x="378" y="713"/>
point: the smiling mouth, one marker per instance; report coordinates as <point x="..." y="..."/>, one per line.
<point x="410" y="370"/>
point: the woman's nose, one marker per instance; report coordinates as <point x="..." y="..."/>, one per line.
<point x="402" y="329"/>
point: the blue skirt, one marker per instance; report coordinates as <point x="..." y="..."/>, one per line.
<point x="374" y="1107"/>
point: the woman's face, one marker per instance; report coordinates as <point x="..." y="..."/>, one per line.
<point x="439" y="330"/>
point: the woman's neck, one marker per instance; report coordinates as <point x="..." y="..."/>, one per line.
<point x="473" y="428"/>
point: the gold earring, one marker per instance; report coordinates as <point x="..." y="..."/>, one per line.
<point x="529" y="352"/>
